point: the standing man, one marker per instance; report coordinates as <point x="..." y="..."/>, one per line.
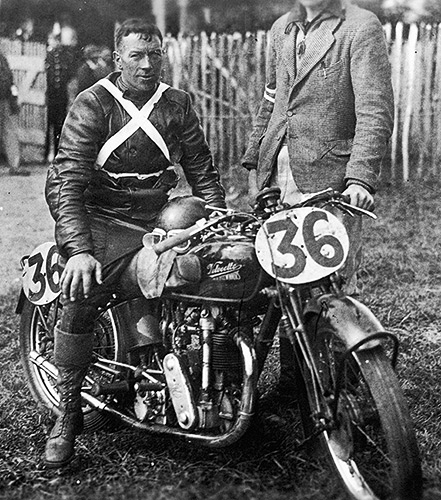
<point x="61" y="64"/>
<point x="327" y="110"/>
<point x="108" y="182"/>
<point x="89" y="71"/>
<point x="9" y="110"/>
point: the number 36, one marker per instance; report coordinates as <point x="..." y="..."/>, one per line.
<point x="302" y="245"/>
<point x="41" y="274"/>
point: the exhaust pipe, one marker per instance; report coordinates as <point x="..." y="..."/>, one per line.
<point x="238" y="429"/>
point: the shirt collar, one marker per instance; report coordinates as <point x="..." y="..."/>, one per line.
<point x="132" y="94"/>
<point x="335" y="8"/>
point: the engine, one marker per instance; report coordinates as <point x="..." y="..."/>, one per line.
<point x="202" y="368"/>
<point x="207" y="360"/>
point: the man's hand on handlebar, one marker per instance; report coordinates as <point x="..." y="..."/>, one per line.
<point x="77" y="276"/>
<point x="360" y="197"/>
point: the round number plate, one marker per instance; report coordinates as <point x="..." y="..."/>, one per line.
<point x="302" y="245"/>
<point x="41" y="274"/>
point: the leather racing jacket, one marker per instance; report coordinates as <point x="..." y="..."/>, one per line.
<point x="76" y="188"/>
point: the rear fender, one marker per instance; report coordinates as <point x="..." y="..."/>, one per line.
<point x="21" y="301"/>
<point x="351" y="320"/>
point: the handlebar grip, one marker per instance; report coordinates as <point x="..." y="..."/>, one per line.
<point x="178" y="239"/>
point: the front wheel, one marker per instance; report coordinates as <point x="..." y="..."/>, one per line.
<point x="37" y="344"/>
<point x="367" y="433"/>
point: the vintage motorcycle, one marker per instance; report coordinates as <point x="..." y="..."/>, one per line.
<point x="237" y="278"/>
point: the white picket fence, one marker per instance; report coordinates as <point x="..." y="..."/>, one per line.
<point x="226" y="76"/>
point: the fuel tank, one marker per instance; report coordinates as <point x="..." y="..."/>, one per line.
<point x="229" y="271"/>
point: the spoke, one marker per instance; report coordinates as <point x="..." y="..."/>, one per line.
<point x="372" y="442"/>
<point x="42" y="318"/>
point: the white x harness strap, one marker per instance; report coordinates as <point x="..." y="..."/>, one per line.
<point x="139" y="120"/>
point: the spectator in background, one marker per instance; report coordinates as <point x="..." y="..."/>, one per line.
<point x="91" y="70"/>
<point x="9" y="110"/>
<point x="61" y="62"/>
<point x="26" y="30"/>
<point x="97" y="64"/>
<point x="106" y="61"/>
<point x="65" y="31"/>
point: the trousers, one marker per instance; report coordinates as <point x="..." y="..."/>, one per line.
<point x="116" y="247"/>
<point x="9" y="135"/>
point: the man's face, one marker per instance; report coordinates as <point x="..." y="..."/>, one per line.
<point x="315" y="5"/>
<point x="140" y="61"/>
<point x="94" y="56"/>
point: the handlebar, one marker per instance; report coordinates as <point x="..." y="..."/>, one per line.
<point x="268" y="199"/>
<point x="265" y="201"/>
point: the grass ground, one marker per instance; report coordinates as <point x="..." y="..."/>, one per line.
<point x="401" y="282"/>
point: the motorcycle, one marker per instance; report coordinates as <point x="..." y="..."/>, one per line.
<point x="238" y="279"/>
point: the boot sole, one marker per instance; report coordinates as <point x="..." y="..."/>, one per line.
<point x="59" y="465"/>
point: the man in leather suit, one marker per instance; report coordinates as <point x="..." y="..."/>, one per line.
<point x="327" y="111"/>
<point x="109" y="180"/>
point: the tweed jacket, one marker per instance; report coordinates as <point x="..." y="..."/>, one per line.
<point x="335" y="110"/>
<point x="77" y="190"/>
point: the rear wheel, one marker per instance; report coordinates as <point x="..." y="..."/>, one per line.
<point x="37" y="345"/>
<point x="364" y="426"/>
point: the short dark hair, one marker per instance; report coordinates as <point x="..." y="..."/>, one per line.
<point x="136" y="25"/>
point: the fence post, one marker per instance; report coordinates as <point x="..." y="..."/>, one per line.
<point x="436" y="136"/>
<point x="426" y="74"/>
<point x="226" y="75"/>
<point x="411" y="54"/>
<point x="204" y="61"/>
<point x="396" y="57"/>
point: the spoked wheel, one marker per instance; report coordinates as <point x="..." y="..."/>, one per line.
<point x="366" y="429"/>
<point x="37" y="356"/>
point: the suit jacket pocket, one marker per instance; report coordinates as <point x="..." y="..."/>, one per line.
<point x="326" y="70"/>
<point x="338" y="147"/>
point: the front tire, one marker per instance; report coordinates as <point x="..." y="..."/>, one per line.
<point x="37" y="336"/>
<point x="369" y="437"/>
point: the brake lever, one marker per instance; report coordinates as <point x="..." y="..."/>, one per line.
<point x="338" y="204"/>
<point x="361" y="211"/>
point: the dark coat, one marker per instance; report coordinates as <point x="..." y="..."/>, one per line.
<point x="86" y="77"/>
<point x="76" y="189"/>
<point x="336" y="108"/>
<point x="6" y="79"/>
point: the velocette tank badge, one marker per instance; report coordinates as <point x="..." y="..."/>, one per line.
<point x="224" y="271"/>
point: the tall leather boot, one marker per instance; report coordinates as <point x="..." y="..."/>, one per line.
<point x="73" y="354"/>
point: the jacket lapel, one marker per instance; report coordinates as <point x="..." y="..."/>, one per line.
<point x="317" y="48"/>
<point x="289" y="51"/>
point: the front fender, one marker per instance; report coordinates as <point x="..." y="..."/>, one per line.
<point x="351" y="320"/>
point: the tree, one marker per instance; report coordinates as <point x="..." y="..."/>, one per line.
<point x="94" y="20"/>
<point x="428" y="11"/>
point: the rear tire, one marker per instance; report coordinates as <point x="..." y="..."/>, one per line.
<point x="37" y="334"/>
<point x="371" y="443"/>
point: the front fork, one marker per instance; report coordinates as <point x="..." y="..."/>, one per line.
<point x="295" y="328"/>
<point x="349" y="320"/>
